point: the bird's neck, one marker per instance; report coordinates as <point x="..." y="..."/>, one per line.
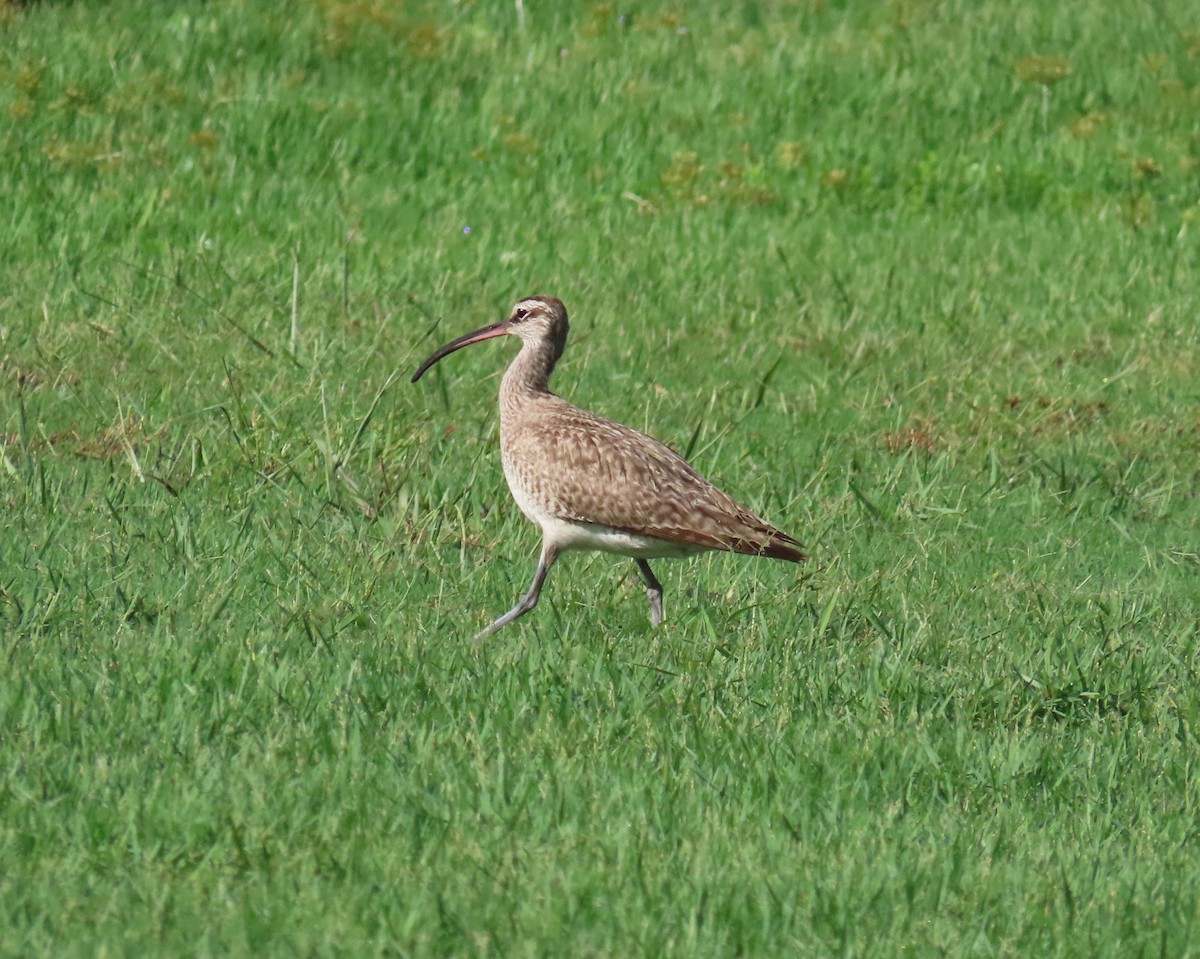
<point x="529" y="373"/>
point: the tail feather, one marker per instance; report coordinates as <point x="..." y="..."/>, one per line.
<point x="775" y="544"/>
<point x="784" y="547"/>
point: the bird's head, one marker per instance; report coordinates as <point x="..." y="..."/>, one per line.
<point x="538" y="320"/>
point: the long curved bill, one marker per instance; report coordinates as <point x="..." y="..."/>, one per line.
<point x="496" y="329"/>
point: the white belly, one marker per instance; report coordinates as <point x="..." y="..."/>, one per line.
<point x="567" y="535"/>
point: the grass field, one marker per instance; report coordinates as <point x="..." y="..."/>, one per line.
<point x="918" y="281"/>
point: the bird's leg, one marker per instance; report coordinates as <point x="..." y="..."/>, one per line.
<point x="654" y="592"/>
<point x="530" y="599"/>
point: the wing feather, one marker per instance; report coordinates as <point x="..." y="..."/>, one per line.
<point x="585" y="468"/>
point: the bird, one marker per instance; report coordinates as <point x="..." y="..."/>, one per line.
<point x="593" y="484"/>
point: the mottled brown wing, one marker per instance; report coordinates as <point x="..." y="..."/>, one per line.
<point x="586" y="468"/>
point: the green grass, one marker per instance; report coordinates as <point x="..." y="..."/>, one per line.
<point x="930" y="316"/>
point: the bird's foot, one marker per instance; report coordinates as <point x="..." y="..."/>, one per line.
<point x="656" y="612"/>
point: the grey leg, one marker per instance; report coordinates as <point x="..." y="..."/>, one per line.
<point x="530" y="599"/>
<point x="654" y="592"/>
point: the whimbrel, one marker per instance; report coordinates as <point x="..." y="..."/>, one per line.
<point x="592" y="484"/>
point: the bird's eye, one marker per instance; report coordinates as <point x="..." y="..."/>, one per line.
<point x="521" y="314"/>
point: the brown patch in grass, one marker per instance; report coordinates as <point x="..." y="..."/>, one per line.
<point x="115" y="441"/>
<point x="1067" y="416"/>
<point x="920" y="435"/>
<point x="112" y="443"/>
<point x="29" y="378"/>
